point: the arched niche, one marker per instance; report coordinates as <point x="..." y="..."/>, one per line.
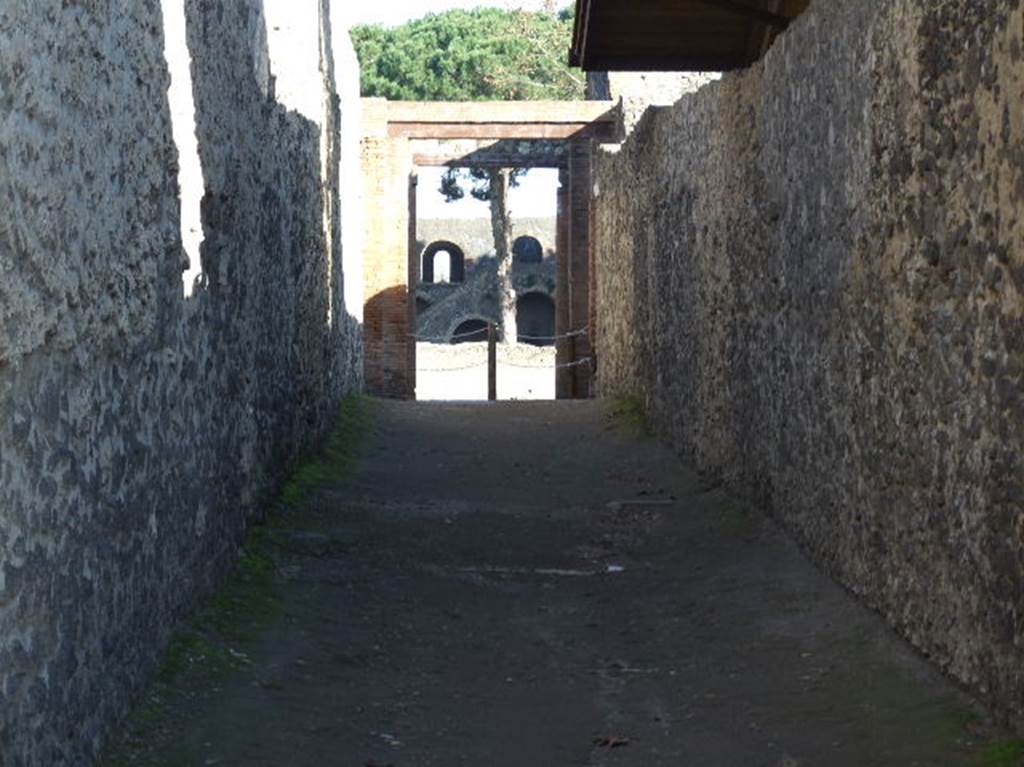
<point x="470" y="331"/>
<point x="436" y="252"/>
<point x="535" y="319"/>
<point x="527" y="250"/>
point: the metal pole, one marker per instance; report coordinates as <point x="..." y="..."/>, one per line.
<point x="492" y="362"/>
<point x="571" y="372"/>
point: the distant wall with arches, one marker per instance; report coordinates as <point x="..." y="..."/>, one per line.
<point x="474" y="238"/>
<point x="469" y="292"/>
<point x="535" y="318"/>
<point x="442" y="262"/>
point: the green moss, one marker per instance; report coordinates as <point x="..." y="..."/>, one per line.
<point x="190" y="650"/>
<point x="176" y="756"/>
<point x="628" y="413"/>
<point x="249" y="601"/>
<point x="337" y="458"/>
<point x="957" y="722"/>
<point x="214" y="641"/>
<point x="1009" y="753"/>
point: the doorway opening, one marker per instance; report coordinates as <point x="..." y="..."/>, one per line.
<point x="453" y="315"/>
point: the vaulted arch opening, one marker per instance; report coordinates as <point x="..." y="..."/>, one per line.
<point x="443" y="262"/>
<point x="470" y="331"/>
<point x="527" y="250"/>
<point x="535" y="319"/>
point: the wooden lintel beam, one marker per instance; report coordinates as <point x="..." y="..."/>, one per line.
<point x="552" y="131"/>
<point x="486" y="161"/>
<point x="743" y="9"/>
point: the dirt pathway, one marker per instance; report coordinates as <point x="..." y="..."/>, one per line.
<point x="525" y="585"/>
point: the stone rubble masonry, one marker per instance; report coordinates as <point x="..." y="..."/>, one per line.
<point x="141" y="430"/>
<point x="813" y="274"/>
<point x="636" y="91"/>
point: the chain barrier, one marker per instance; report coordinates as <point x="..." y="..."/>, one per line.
<point x="506" y="363"/>
<point x="577" y="363"/>
<point x="448" y="339"/>
<point x="453" y="370"/>
<point x="483" y="332"/>
<point x="571" y="334"/>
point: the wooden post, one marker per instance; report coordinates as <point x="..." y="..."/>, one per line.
<point x="492" y="362"/>
<point x="563" y="350"/>
<point x="412" y="281"/>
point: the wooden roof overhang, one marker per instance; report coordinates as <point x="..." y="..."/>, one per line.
<point x="677" y="35"/>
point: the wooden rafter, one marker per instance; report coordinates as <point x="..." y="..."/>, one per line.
<point x="757" y="14"/>
<point x="677" y="35"/>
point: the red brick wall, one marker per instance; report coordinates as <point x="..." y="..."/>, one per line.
<point x="389" y="351"/>
<point x="578" y="278"/>
<point x="563" y="376"/>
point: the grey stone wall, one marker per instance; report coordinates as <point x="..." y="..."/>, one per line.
<point x="813" y="273"/>
<point x="139" y="429"/>
<point x="637" y="91"/>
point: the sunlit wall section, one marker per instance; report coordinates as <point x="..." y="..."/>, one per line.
<point x="183" y="123"/>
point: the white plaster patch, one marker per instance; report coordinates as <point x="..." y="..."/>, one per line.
<point x="292" y="28"/>
<point x="183" y="124"/>
<point x="347" y="79"/>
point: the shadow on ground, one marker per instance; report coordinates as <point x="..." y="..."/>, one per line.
<point x="537" y="584"/>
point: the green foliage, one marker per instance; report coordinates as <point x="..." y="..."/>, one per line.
<point x="479" y="180"/>
<point x="478" y="55"/>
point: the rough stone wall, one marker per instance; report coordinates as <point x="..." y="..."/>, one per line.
<point x="838" y="233"/>
<point x="637" y="91"/>
<point x="140" y="429"/>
